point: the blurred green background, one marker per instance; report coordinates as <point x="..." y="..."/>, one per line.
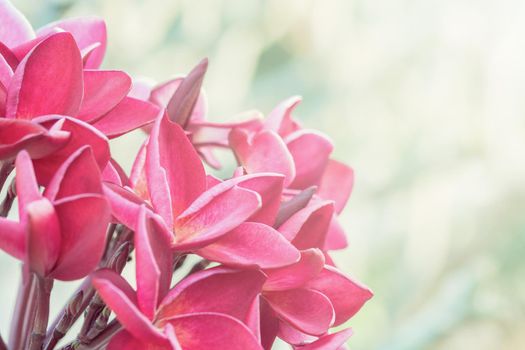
<point x="425" y="99"/>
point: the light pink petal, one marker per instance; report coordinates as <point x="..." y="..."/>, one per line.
<point x="336" y="184"/>
<point x="18" y="134"/>
<point x="154" y="265"/>
<point x="141" y="89"/>
<point x="103" y="90"/>
<point x="81" y="134"/>
<point x="347" y="296"/>
<point x="291" y="206"/>
<point x="6" y="72"/>
<point x="26" y="186"/>
<point x="83" y="222"/>
<point x="48" y="80"/>
<point x="174" y="171"/>
<point x="86" y="31"/>
<point x="308" y="310"/>
<point x="121" y="299"/>
<point x="263" y="152"/>
<point x="125" y="205"/>
<point x="218" y="289"/>
<point x="292" y="335"/>
<point x="251" y="244"/>
<point x="124" y="340"/>
<point x="80" y="165"/>
<point x="213" y="214"/>
<point x="308" y="227"/>
<point x="126" y="116"/>
<point x="310" y="151"/>
<point x="212" y="331"/>
<point x="137" y="177"/>
<point x="12" y="238"/>
<point x="216" y="134"/>
<point x="15" y="28"/>
<point x="169" y="331"/>
<point x="207" y="155"/>
<point x="280" y="119"/>
<point x="336" y="236"/>
<point x="330" y="341"/>
<point x="43" y="236"/>
<point x="297" y="274"/>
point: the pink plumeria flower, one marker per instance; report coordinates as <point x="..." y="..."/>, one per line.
<point x="204" y="311"/>
<point x="57" y="235"/>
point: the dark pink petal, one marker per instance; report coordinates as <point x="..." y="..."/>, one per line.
<point x="121" y="299"/>
<point x="330" y="341"/>
<point x="81" y="134"/>
<point x="263" y="152"/>
<point x="126" y="116"/>
<point x="21" y="51"/>
<point x="308" y="310"/>
<point x="15" y="28"/>
<point x="18" y="134"/>
<point x="26" y="186"/>
<point x="308" y="227"/>
<point x="251" y="244"/>
<point x="103" y="90"/>
<point x="6" y="72"/>
<point x="336" y="236"/>
<point x="347" y="296"/>
<point x="310" y="151"/>
<point x="43" y="236"/>
<point x="13" y="238"/>
<point x="212" y="331"/>
<point x="154" y="265"/>
<point x="269" y="324"/>
<point x="8" y="55"/>
<point x="336" y="184"/>
<point x="86" y="31"/>
<point x="213" y="214"/>
<point x="48" y="80"/>
<point x="125" y="205"/>
<point x="280" y="119"/>
<point x="292" y="335"/>
<point x="78" y="174"/>
<point x="83" y="222"/>
<point x="297" y="274"/>
<point x="114" y="174"/>
<point x="124" y="340"/>
<point x="174" y="172"/>
<point x="218" y="289"/>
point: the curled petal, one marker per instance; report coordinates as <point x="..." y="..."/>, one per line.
<point x="8" y="55"/>
<point x="280" y="119"/>
<point x="211" y="331"/>
<point x="346" y="295"/>
<point x="330" y="341"/>
<point x="15" y="27"/>
<point x="103" y="90"/>
<point x="218" y="289"/>
<point x="114" y="173"/>
<point x="251" y="244"/>
<point x="83" y="223"/>
<point x="86" y="31"/>
<point x="336" y="236"/>
<point x="48" y="80"/>
<point x="213" y="214"/>
<point x="336" y="184"/>
<point x="308" y="310"/>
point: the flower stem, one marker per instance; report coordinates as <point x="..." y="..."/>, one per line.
<point x="6" y="204"/>
<point x="2" y="344"/>
<point x="24" y="312"/>
<point x="44" y="286"/>
<point x="5" y="169"/>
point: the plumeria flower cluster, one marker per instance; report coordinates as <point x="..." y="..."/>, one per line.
<point x="231" y="263"/>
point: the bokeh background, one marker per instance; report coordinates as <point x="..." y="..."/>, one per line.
<point x="425" y="99"/>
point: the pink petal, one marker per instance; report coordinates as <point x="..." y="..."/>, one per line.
<point x="86" y="31"/>
<point x="280" y="119"/>
<point x="8" y="55"/>
<point x="291" y="206"/>
<point x="263" y="152"/>
<point x="103" y="90"/>
<point x="21" y="51"/>
<point x="216" y="134"/>
<point x="48" y="80"/>
<point x="26" y="186"/>
<point x="43" y="240"/>
<point x="212" y="331"/>
<point x="80" y="165"/>
<point x="308" y="227"/>
<point x="15" y="27"/>
<point x="83" y="236"/>
<point x="213" y="214"/>
<point x="13" y="238"/>
<point x="114" y="174"/>
<point x="18" y="134"/>
<point x="137" y="176"/>
<point x="124" y="340"/>
<point x="175" y="173"/>
<point x="121" y="299"/>
<point x="81" y="134"/>
<point x="218" y="289"/>
<point x="293" y="336"/>
<point x="308" y="310"/>
<point x="141" y="89"/>
<point x="346" y="295"/>
<point x="126" y="116"/>
<point x="269" y="324"/>
<point x="330" y="341"/>
<point x="310" y="151"/>
<point x="6" y="72"/>
<point x="297" y="274"/>
<point x="154" y="263"/>
<point x="252" y="244"/>
<point x="125" y="205"/>
<point x="336" y="236"/>
<point x="336" y="184"/>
